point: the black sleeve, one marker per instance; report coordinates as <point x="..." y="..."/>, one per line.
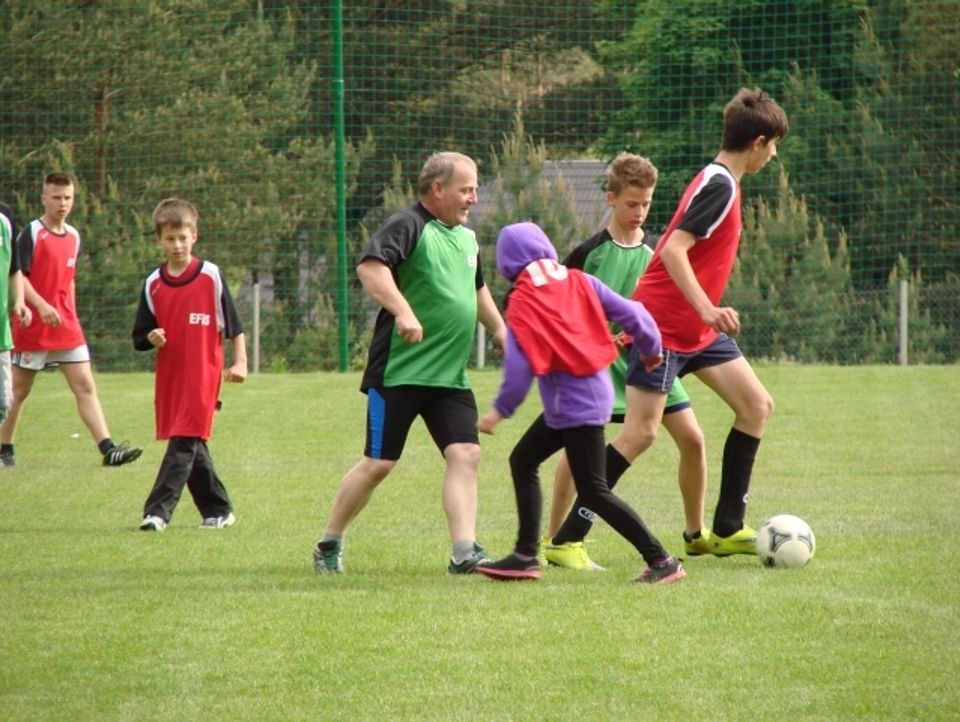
<point x="25" y="250"/>
<point x="232" y="324"/>
<point x="143" y="324"/>
<point x="14" y="258"/>
<point x="395" y="240"/>
<point x="480" y="283"/>
<point x="577" y="258"/>
<point x="707" y="207"/>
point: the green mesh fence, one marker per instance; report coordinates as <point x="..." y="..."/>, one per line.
<point x="851" y="237"/>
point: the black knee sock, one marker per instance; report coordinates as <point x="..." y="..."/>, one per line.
<point x="739" y="453"/>
<point x="617" y="466"/>
<point x="580" y="519"/>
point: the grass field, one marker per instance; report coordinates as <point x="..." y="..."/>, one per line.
<point x="102" y="622"/>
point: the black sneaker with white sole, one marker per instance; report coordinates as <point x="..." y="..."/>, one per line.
<point x="122" y="454"/>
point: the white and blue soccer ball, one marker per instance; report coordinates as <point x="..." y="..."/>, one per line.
<point x="785" y="541"/>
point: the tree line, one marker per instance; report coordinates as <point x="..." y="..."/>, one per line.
<point x="229" y="103"/>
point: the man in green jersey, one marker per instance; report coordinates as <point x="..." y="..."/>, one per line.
<point x="618" y="255"/>
<point x="11" y="286"/>
<point x="422" y="267"/>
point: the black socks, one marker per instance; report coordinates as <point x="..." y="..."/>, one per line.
<point x="739" y="453"/>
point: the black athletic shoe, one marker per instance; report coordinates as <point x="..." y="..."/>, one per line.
<point x="122" y="454"/>
<point x="510" y="568"/>
<point x="663" y="572"/>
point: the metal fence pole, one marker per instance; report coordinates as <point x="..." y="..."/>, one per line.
<point x="338" y="101"/>
<point x="904" y="311"/>
<point x="256" y="323"/>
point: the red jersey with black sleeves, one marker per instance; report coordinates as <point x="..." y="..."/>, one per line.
<point x="195" y="311"/>
<point x="710" y="210"/>
<point x="49" y="261"/>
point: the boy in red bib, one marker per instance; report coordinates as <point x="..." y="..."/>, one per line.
<point x="185" y="312"/>
<point x="683" y="289"/>
<point x="48" y="250"/>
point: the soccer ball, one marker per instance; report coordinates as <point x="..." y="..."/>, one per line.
<point x="786" y="542"/>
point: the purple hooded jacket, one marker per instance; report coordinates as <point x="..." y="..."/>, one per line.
<point x="568" y="401"/>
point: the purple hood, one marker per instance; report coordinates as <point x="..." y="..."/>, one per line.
<point x="519" y="244"/>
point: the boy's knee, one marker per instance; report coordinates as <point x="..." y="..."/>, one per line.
<point x="633" y="442"/>
<point x="764" y="407"/>
<point x="755" y="415"/>
<point x="691" y="441"/>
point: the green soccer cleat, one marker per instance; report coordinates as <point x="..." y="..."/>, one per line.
<point x="740" y="542"/>
<point x="697" y="546"/>
<point x="570" y="555"/>
<point x="469" y="565"/>
<point x="328" y="557"/>
<point x="542" y="552"/>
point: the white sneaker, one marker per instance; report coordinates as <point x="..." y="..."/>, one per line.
<point x="152" y="523"/>
<point x="218" y="522"/>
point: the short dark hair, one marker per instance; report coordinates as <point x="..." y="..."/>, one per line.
<point x="176" y="213"/>
<point x="749" y="115"/>
<point x="57" y="178"/>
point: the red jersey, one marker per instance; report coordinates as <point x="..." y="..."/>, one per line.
<point x="710" y="210"/>
<point x="49" y="261"/>
<point x="195" y="310"/>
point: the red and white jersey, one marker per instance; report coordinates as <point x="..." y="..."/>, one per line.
<point x="195" y="310"/>
<point x="558" y="321"/>
<point x="710" y="210"/>
<point x="49" y="261"/>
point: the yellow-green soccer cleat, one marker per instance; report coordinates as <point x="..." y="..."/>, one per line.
<point x="570" y="555"/>
<point x="740" y="542"/>
<point x="542" y="552"/>
<point x="698" y="546"/>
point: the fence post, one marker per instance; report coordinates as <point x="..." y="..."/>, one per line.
<point x="340" y="142"/>
<point x="481" y="346"/>
<point x="256" y="322"/>
<point x="904" y="310"/>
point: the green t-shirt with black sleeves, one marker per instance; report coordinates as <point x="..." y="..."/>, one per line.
<point x="620" y="267"/>
<point x="437" y="269"/>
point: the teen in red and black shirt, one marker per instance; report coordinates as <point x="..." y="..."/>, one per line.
<point x="682" y="288"/>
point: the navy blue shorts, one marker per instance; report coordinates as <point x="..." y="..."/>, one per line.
<point x="450" y="416"/>
<point x="721" y="350"/>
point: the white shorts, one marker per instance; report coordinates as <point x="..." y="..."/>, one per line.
<point x="6" y="386"/>
<point x="39" y="360"/>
